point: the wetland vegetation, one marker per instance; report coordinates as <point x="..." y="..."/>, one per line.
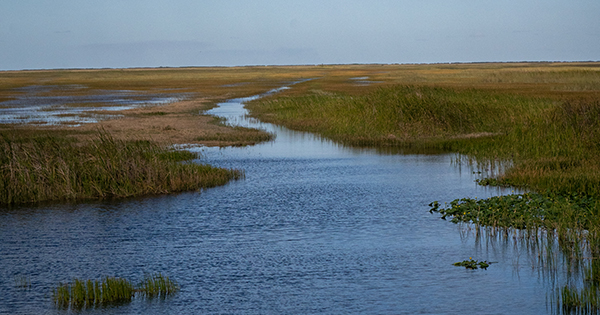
<point x="79" y="294"/>
<point x="539" y="122"/>
<point x="45" y="167"/>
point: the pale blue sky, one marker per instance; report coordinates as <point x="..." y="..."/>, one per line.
<point x="36" y="34"/>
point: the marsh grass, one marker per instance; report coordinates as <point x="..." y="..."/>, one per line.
<point x="401" y="115"/>
<point x="157" y="285"/>
<point x="551" y="143"/>
<point x="80" y="294"/>
<point x="542" y="121"/>
<point x="236" y="135"/>
<point x="41" y="167"/>
<point x="561" y="234"/>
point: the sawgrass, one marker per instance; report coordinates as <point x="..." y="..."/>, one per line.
<point x="156" y="285"/>
<point x="80" y="294"/>
<point x="552" y="144"/>
<point x="43" y="167"/>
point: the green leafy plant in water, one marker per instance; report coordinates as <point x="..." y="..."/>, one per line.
<point x="521" y="211"/>
<point x="473" y="264"/>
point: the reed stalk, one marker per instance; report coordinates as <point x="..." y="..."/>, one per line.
<point x="80" y="294"/>
<point x="157" y="285"/>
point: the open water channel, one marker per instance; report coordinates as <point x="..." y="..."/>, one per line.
<point x="314" y="228"/>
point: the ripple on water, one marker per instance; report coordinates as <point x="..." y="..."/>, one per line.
<point x="315" y="228"/>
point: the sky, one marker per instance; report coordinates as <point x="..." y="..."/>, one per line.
<point x="50" y="34"/>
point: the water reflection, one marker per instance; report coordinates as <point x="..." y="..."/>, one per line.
<point x="315" y="228"/>
<point x="73" y="105"/>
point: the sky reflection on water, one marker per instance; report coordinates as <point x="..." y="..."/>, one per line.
<point x="73" y="105"/>
<point x="314" y="228"/>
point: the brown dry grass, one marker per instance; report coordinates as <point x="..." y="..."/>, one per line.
<point x="182" y="123"/>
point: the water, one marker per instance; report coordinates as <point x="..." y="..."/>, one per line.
<point x="55" y="105"/>
<point x="315" y="228"/>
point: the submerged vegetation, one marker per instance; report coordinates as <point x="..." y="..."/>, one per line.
<point x="80" y="294"/>
<point x="43" y="167"/>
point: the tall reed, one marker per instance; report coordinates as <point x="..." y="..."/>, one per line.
<point x="157" y="285"/>
<point x="80" y="294"/>
<point x="49" y="168"/>
<point x="552" y="144"/>
<point x="90" y="293"/>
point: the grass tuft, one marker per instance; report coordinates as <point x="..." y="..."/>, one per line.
<point x="157" y="285"/>
<point x="80" y="294"/>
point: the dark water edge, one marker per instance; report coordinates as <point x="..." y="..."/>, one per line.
<point x="315" y="228"/>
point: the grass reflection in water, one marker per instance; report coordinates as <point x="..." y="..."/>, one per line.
<point x="560" y="232"/>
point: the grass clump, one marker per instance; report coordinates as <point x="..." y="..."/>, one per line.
<point x="22" y="281"/>
<point x="157" y="285"/>
<point x="80" y="294"/>
<point x="238" y="137"/>
<point x="579" y="301"/>
<point x="42" y="167"/>
<point x="90" y="293"/>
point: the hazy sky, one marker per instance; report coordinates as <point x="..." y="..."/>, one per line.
<point x="38" y="34"/>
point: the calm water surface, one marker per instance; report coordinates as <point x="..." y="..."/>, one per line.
<point x="315" y="228"/>
<point x="73" y="105"/>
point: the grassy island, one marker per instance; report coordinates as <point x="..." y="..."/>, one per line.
<point x="48" y="167"/>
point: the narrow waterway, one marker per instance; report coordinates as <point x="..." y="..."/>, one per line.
<point x="314" y="228"/>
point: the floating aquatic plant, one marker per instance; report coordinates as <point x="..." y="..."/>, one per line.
<point x="473" y="264"/>
<point x="528" y="210"/>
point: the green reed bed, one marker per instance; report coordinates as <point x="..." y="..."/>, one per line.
<point x="43" y="167"/>
<point x="553" y="144"/>
<point x="400" y="115"/>
<point x="80" y="294"/>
